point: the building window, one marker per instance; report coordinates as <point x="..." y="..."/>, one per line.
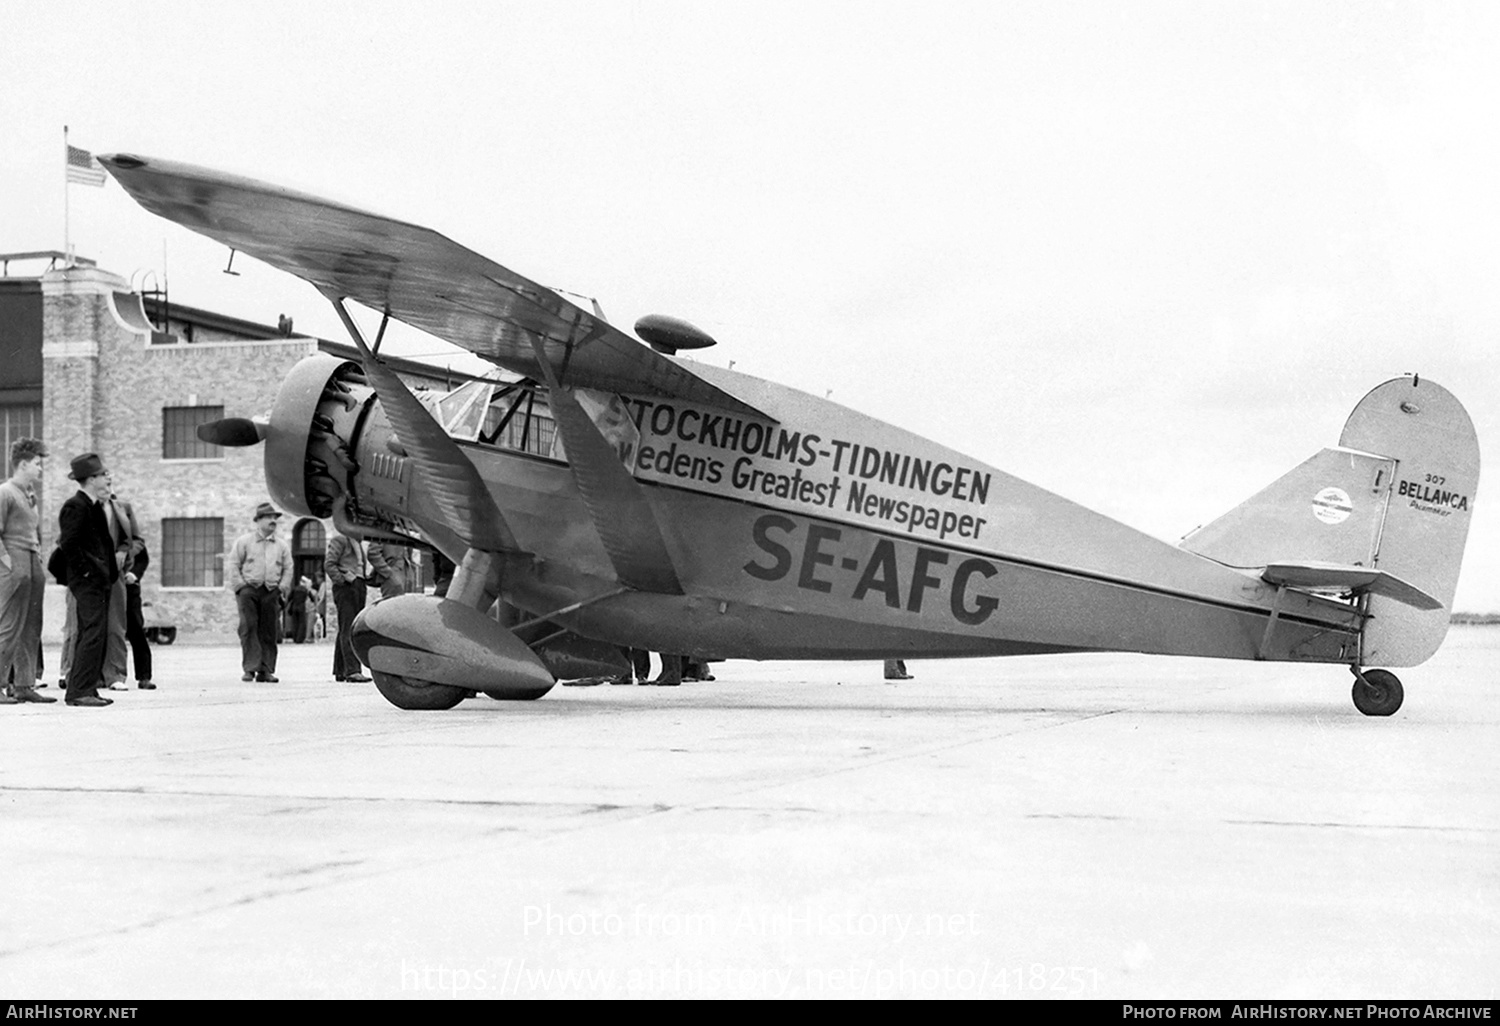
<point x="19" y="422"/>
<point x="179" y="433"/>
<point x="192" y="552"/>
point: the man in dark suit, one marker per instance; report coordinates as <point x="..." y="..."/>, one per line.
<point x="88" y="549"/>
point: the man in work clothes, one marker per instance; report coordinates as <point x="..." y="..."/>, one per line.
<point x="260" y="575"/>
<point x="21" y="578"/>
<point x="388" y="563"/>
<point x="344" y="563"/>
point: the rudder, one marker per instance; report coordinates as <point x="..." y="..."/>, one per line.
<point x="1428" y="432"/>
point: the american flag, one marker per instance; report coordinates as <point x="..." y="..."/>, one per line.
<point x="83" y="168"/>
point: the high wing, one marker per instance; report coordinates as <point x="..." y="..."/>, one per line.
<point x="413" y="274"/>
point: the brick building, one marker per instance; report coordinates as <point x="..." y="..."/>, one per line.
<point x="91" y="366"/>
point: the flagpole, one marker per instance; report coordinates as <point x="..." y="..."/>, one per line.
<point x="67" y="236"/>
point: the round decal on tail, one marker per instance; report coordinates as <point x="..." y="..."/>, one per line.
<point x="1332" y="506"/>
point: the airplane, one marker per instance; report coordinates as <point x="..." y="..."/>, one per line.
<point x="608" y="494"/>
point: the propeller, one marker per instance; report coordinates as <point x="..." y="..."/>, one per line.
<point x="233" y="432"/>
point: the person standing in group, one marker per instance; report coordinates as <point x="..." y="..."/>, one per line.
<point x="442" y="574"/>
<point x="21" y="577"/>
<point x="895" y="669"/>
<point x="296" y="610"/>
<point x="260" y="575"/>
<point x="388" y="564"/>
<point x="126" y="535"/>
<point x="318" y="617"/>
<point x="344" y="563"/>
<point x="87" y="550"/>
<point x="136" y="562"/>
<point x="128" y="544"/>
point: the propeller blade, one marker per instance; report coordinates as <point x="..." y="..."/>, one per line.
<point x="232" y="432"/>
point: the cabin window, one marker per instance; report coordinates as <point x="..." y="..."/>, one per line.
<point x="518" y="418"/>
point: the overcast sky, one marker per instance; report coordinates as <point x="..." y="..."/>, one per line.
<point x="1148" y="255"/>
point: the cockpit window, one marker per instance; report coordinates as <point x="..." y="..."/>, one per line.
<point x="461" y="412"/>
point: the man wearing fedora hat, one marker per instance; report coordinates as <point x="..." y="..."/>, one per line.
<point x="260" y="575"/>
<point x="88" y="551"/>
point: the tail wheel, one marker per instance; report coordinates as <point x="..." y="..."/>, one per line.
<point x="1377" y="692"/>
<point x="409" y="693"/>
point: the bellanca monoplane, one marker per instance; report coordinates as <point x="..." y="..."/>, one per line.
<point x="612" y="495"/>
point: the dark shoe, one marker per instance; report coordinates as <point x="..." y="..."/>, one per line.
<point x="663" y="682"/>
<point x="41" y="684"/>
<point x="357" y="678"/>
<point x="145" y="685"/>
<point x="30" y="695"/>
<point x="268" y="678"/>
<point x="90" y="701"/>
<point x="622" y="679"/>
<point x="247" y="676"/>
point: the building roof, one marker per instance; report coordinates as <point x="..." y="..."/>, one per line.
<point x="157" y="309"/>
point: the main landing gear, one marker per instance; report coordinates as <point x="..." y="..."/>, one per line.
<point x="1376" y="692"/>
<point x="409" y="693"/>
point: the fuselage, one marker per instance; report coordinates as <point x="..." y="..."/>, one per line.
<point x="831" y="534"/>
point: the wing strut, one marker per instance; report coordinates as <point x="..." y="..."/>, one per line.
<point x="450" y="479"/>
<point x="615" y="500"/>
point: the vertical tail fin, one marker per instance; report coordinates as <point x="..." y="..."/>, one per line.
<point x="1396" y="496"/>
<point x="1429" y="433"/>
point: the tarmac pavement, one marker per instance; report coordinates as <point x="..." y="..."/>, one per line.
<point x="1062" y="826"/>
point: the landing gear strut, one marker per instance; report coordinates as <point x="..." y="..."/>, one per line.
<point x="1376" y="692"/>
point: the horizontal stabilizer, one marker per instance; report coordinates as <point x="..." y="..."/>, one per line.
<point x="1318" y="576"/>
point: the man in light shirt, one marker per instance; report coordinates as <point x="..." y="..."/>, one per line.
<point x="260" y="575"/>
<point x="21" y="578"/>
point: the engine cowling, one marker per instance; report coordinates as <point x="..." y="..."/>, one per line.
<point x="316" y="408"/>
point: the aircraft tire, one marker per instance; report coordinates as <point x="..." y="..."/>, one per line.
<point x="1379" y="693"/>
<point x="408" y="693"/>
